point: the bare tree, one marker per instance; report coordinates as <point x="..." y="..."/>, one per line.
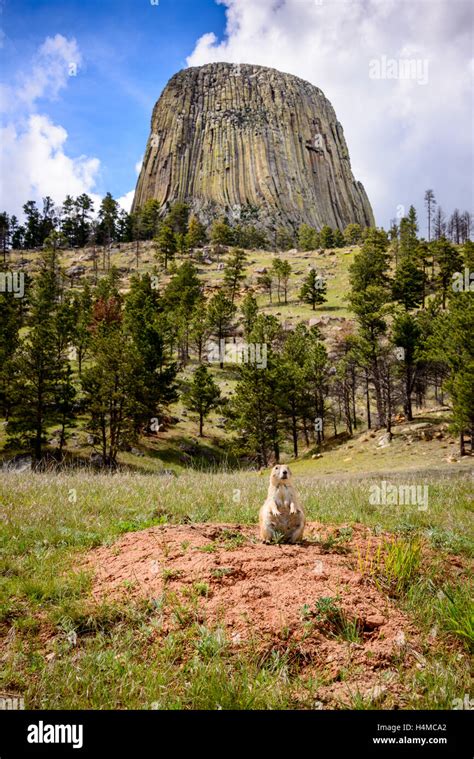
<point x="430" y="202"/>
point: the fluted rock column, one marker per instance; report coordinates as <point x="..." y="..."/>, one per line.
<point x="251" y="141"/>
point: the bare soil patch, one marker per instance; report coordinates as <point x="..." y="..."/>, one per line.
<point x="270" y="594"/>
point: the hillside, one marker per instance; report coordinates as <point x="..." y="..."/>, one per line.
<point x="424" y="443"/>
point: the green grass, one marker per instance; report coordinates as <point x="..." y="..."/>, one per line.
<point x="63" y="650"/>
<point x="456" y="610"/>
<point x="399" y="565"/>
<point x="333" y="621"/>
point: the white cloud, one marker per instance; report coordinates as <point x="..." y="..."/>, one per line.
<point x="33" y="158"/>
<point x="32" y="148"/>
<point x="57" y="59"/>
<point x="138" y="166"/>
<point x="403" y="136"/>
<point x="126" y="200"/>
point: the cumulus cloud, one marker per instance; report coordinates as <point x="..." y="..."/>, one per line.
<point x="405" y="134"/>
<point x="57" y="59"/>
<point x="32" y="148"/>
<point x="125" y="201"/>
<point x="33" y="157"/>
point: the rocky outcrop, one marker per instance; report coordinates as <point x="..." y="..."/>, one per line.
<point x="254" y="144"/>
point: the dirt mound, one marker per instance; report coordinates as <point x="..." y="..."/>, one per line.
<point x="309" y="600"/>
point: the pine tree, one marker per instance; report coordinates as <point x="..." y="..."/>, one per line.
<point x="370" y="265"/>
<point x="370" y="304"/>
<point x="32" y="236"/>
<point x="125" y="230"/>
<point x="439" y="223"/>
<point x="220" y="316"/>
<point x="452" y="344"/>
<point x="177" y="218"/>
<point x="407" y="336"/>
<point x="183" y="290"/>
<point x="221" y="233"/>
<point x="142" y="323"/>
<point x="196" y="234"/>
<point x="165" y="243"/>
<point x="353" y="234"/>
<point x="49" y="219"/>
<point x="326" y="237"/>
<point x="448" y="261"/>
<point x="112" y="387"/>
<point x="468" y="255"/>
<point x="291" y="389"/>
<point x="181" y="244"/>
<point x="234" y="272"/>
<point x="84" y="206"/>
<point x="202" y="396"/>
<point x="285" y="274"/>
<point x="249" y="310"/>
<point x="39" y="365"/>
<point x="344" y="382"/>
<point x="10" y="324"/>
<point x="5" y="235"/>
<point x="108" y="215"/>
<point x="249" y="237"/>
<point x="199" y="329"/>
<point x="408" y="235"/>
<point x="149" y="219"/>
<point x="69" y="220"/>
<point x="255" y="407"/>
<point x="179" y="299"/>
<point x="314" y="289"/>
<point x="408" y="284"/>
<point x="284" y="239"/>
<point x="17" y="233"/>
<point x="308" y="238"/>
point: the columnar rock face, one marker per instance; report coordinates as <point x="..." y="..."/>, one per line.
<point x="252" y="144"/>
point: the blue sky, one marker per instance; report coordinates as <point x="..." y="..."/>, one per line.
<point x="87" y="132"/>
<point x="129" y="51"/>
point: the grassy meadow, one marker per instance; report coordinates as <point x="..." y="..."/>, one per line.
<point x="61" y="649"/>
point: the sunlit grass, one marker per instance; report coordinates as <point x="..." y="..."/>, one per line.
<point x="63" y="650"/>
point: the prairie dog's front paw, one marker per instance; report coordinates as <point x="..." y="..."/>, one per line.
<point x="293" y="508"/>
<point x="274" y="511"/>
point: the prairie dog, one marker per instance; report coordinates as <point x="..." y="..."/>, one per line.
<point x="281" y="517"/>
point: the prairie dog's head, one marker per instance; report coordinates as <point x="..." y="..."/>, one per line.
<point x="280" y="474"/>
